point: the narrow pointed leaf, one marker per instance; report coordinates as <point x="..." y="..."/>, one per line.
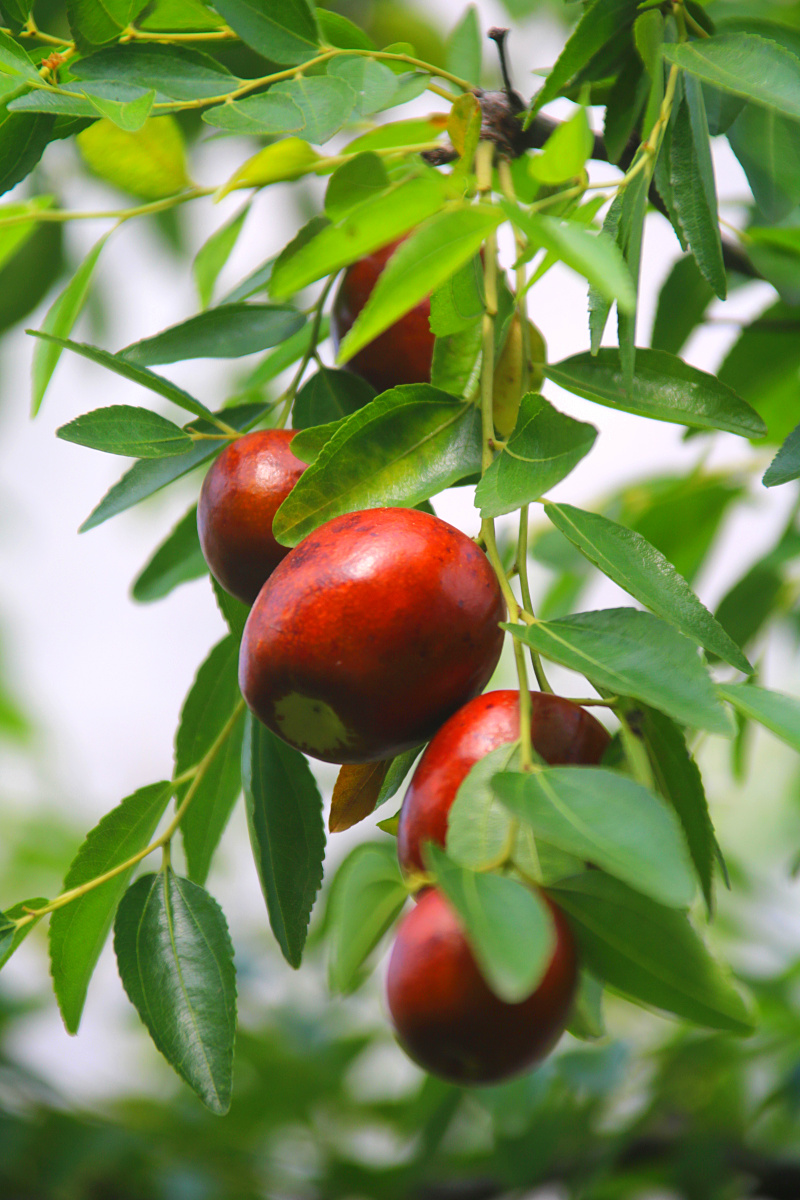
<point x="177" y="560"/>
<point x="11" y="935"/>
<point x="544" y="447"/>
<point x="507" y="925"/>
<point x="649" y="953"/>
<point x="228" y="331"/>
<point x="175" y="961"/>
<point x="609" y="820"/>
<point x="209" y="709"/>
<point x="328" y="396"/>
<point x="124" y="429"/>
<point x="79" y="930"/>
<point x="664" y="388"/>
<point x="284" y="815"/>
<point x="635" y="654"/>
<point x="283" y="31"/>
<point x="598" y="24"/>
<point x="785" y="466"/>
<point x="693" y="186"/>
<point x="355" y="793"/>
<point x="117" y="364"/>
<point x="775" y="710"/>
<point x="401" y="448"/>
<point x="746" y="65"/>
<point x="214" y="253"/>
<point x="629" y="559"/>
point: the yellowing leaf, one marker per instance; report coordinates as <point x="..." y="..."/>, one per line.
<point x="287" y="159"/>
<point x="150" y="163"/>
<point x="355" y="794"/>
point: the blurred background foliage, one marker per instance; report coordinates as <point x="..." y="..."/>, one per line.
<point x="321" y="1108"/>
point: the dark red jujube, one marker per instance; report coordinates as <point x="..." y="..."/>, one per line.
<point x="404" y="352"/>
<point x="561" y="732"/>
<point x="447" y="1018"/>
<point x="370" y="634"/>
<point x="241" y="493"/>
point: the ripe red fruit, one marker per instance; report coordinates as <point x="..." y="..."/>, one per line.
<point x="401" y="354"/>
<point x="372" y="632"/>
<point x="561" y="733"/>
<point x="241" y="493"/>
<point x="446" y="1016"/>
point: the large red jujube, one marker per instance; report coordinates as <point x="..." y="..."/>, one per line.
<point x="446" y="1016"/>
<point x="370" y="634"/>
<point x="562" y="733"/>
<point x="241" y="493"/>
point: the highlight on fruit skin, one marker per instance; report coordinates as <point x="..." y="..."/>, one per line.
<point x="242" y="491"/>
<point x="370" y="634"/>
<point x="403" y="353"/>
<point x="563" y="734"/>
<point x="446" y="1017"/>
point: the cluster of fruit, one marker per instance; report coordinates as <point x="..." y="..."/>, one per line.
<point x="377" y="633"/>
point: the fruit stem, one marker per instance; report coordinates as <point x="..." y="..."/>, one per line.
<point x="524" y="587"/>
<point x="196" y="774"/>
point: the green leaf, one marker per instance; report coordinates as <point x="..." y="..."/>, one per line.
<point x="509" y="928"/>
<point x="191" y="15"/>
<point x="398" y="769"/>
<point x="264" y="114"/>
<point x="339" y="31"/>
<point x="629" y="559"/>
<point x="12" y="237"/>
<point x="228" y="331"/>
<point x="763" y="366"/>
<point x="624" y="105"/>
<point x="599" y="303"/>
<point x="150" y="475"/>
<point x="352" y="183"/>
<point x="679" y="781"/>
<point x="210" y="706"/>
<point x="373" y="84"/>
<point x="608" y="819"/>
<point x="665" y="388"/>
<point x="60" y="320"/>
<point x="14" y="61"/>
<point x="11" y="935"/>
<point x="288" y="159"/>
<point x="177" y="560"/>
<point x="649" y="953"/>
<point x="328" y="396"/>
<point x="175" y="961"/>
<point x="564" y="154"/>
<point x="150" y="163"/>
<point x="95" y="24"/>
<point x="128" y="115"/>
<point x="423" y="262"/>
<point x="745" y="64"/>
<point x="455" y="360"/>
<point x="373" y="224"/>
<point x="479" y="830"/>
<point x="599" y="23"/>
<point x="283" y="31"/>
<point x="635" y="654"/>
<point x="463" y="47"/>
<point x="214" y="253"/>
<point x="775" y="710"/>
<point x="459" y="302"/>
<point x="255" y="282"/>
<point x="174" y="72"/>
<point x="544" y="447"/>
<point x="325" y="103"/>
<point x="682" y="302"/>
<point x="401" y="448"/>
<point x="785" y="466"/>
<point x="398" y="134"/>
<point x="694" y="189"/>
<point x="234" y="613"/>
<point x="366" y="897"/>
<point x="23" y="137"/>
<point x="766" y="145"/>
<point x="79" y="930"/>
<point x="128" y="370"/>
<point x="593" y="255"/>
<point x="284" y="815"/>
<point x="123" y="429"/>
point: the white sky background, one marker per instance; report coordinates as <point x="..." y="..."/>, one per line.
<point x="104" y="677"/>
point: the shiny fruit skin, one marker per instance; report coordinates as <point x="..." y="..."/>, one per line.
<point x="401" y="354"/>
<point x="241" y="493"/>
<point x="370" y="634"/>
<point x="446" y="1017"/>
<point x="561" y="732"/>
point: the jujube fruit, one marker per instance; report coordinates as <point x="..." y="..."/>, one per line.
<point x="401" y="354"/>
<point x="447" y="1017"/>
<point x="240" y="495"/>
<point x="561" y="732"/>
<point x="370" y="634"/>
